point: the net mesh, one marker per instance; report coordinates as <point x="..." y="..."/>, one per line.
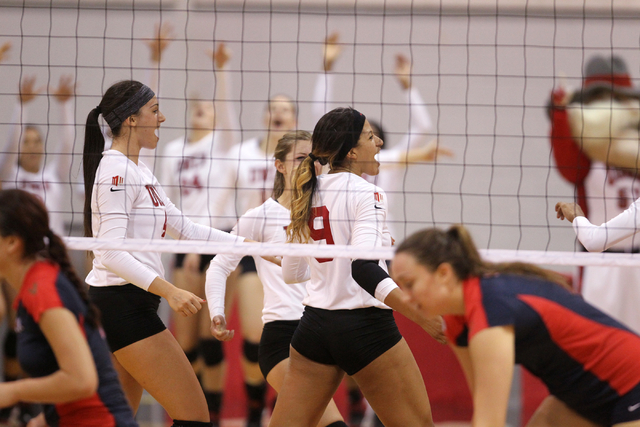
<point x="484" y="75"/>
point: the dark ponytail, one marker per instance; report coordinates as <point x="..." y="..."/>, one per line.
<point x="116" y="96"/>
<point x="432" y="247"/>
<point x="335" y="134"/>
<point x="57" y="252"/>
<point x="91" y="156"/>
<point x="24" y="215"/>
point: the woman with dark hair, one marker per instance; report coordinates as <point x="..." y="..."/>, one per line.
<point x="59" y="341"/>
<point x="282" y="302"/>
<point x="500" y="314"/>
<point x="347" y="324"/>
<point x="124" y="200"/>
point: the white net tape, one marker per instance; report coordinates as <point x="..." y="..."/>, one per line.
<point x="343" y="251"/>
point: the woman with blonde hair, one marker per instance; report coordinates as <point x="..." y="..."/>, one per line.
<point x="347" y="324"/>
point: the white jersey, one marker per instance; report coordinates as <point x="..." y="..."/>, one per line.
<point x="54" y="179"/>
<point x="266" y="223"/>
<point x="191" y="176"/>
<point x="250" y="172"/>
<point x="346" y="210"/>
<point x="128" y="202"/>
<point x="597" y="238"/>
<point x="609" y="192"/>
<point x="45" y="185"/>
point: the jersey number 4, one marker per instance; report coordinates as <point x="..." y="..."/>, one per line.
<point x="323" y="233"/>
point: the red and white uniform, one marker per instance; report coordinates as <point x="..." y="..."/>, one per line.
<point x="249" y="176"/>
<point x="128" y="202"/>
<point x="191" y="178"/>
<point x="346" y="210"/>
<point x="391" y="176"/>
<point x="266" y="223"/>
<point x="603" y="192"/>
<point x="55" y="179"/>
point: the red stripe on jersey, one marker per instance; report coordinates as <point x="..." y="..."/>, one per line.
<point x="611" y="354"/>
<point x="454" y="327"/>
<point x="90" y="412"/>
<point x="475" y="314"/>
<point x="38" y="292"/>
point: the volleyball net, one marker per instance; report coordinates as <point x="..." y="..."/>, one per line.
<point x="484" y="74"/>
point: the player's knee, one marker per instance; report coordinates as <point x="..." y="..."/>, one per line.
<point x="250" y="351"/>
<point x="212" y="352"/>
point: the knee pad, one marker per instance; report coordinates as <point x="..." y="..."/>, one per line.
<point x="192" y="355"/>
<point x="212" y="352"/>
<point x="182" y="423"/>
<point x="250" y="351"/>
<point x="11" y="345"/>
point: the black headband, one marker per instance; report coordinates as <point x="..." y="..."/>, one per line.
<point x="130" y="106"/>
<point x="351" y="140"/>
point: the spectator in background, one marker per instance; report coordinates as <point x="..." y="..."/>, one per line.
<point x="596" y="146"/>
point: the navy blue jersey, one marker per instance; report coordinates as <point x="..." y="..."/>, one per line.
<point x="587" y="359"/>
<point x="45" y="288"/>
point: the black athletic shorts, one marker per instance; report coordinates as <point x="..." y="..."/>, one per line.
<point x="274" y="343"/>
<point x="350" y="339"/>
<point x="248" y="265"/>
<point x="128" y="313"/>
<point x="205" y="259"/>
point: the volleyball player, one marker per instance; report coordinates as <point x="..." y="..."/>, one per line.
<point x="25" y="165"/>
<point x="249" y="177"/>
<point x="347" y="325"/>
<point x="598" y="238"/>
<point x="500" y="314"/>
<point x="124" y="200"/>
<point x="283" y="302"/>
<point x="190" y="174"/>
<point x="415" y="146"/>
<point x="59" y="341"/>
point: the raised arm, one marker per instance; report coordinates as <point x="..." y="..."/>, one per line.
<point x="63" y="160"/>
<point x="419" y="120"/>
<point x="162" y="37"/>
<point x="322" y="95"/>
<point x="9" y="151"/>
<point x="572" y="163"/>
<point x="227" y="122"/>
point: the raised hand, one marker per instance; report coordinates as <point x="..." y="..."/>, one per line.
<point x="331" y="51"/>
<point x="66" y="89"/>
<point x="28" y="92"/>
<point x="568" y="211"/>
<point x="221" y="56"/>
<point x="4" y="51"/>
<point x="403" y="71"/>
<point x="163" y="34"/>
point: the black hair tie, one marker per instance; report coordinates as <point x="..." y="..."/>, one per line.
<point x="313" y="157"/>
<point x="98" y="110"/>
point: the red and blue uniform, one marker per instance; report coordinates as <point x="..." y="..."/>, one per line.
<point x="587" y="359"/>
<point x="44" y="288"/>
